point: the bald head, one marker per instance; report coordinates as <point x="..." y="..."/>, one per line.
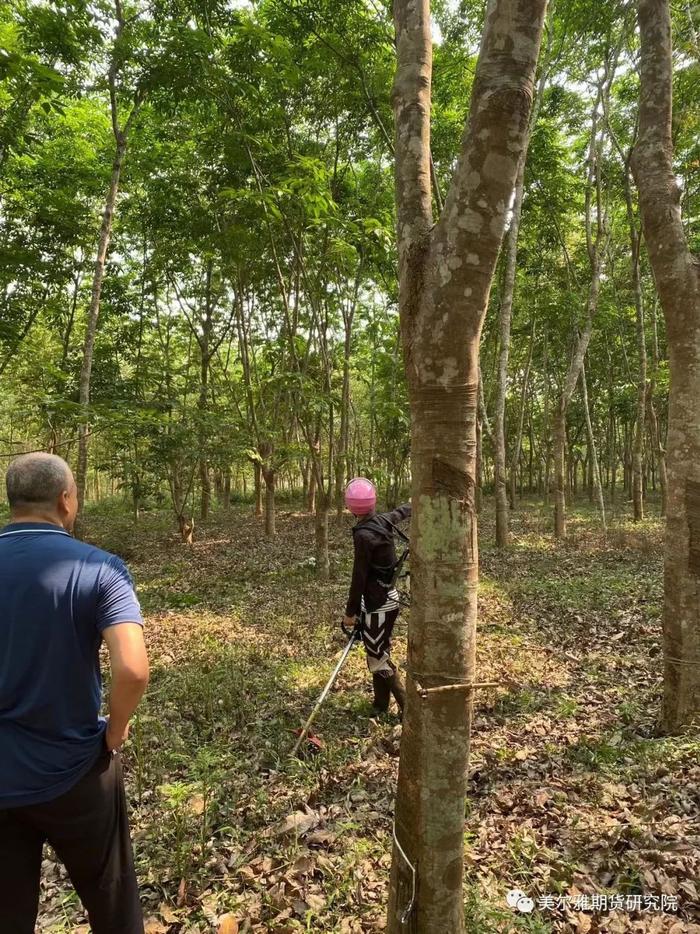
<point x="37" y="483"/>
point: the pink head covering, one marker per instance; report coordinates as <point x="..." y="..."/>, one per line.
<point x="360" y="496"/>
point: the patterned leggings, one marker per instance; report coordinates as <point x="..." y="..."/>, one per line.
<point x="377" y="629"/>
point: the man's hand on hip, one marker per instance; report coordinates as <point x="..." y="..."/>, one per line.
<point x="114" y="737"/>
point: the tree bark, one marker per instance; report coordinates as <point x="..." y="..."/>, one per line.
<point x="258" y="484"/>
<point x="678" y="284"/>
<point x="321" y="535"/>
<point x="93" y="314"/>
<point x="653" y="417"/>
<point x="597" y="484"/>
<point x="595" y="254"/>
<point x="205" y="349"/>
<point x="121" y="135"/>
<point x="559" y="439"/>
<point x="341" y="465"/>
<point x="504" y="325"/>
<point x="517" y="447"/>
<point x="445" y="275"/>
<point x="638" y="442"/>
<point x="270" y="478"/>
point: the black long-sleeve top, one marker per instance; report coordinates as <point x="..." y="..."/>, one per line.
<point x="374" y="548"/>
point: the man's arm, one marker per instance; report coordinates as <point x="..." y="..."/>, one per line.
<point x="400" y="514"/>
<point x="119" y="620"/>
<point x="129" y="664"/>
<point x="359" y="579"/>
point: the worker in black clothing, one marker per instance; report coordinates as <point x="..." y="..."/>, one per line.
<point x="373" y="595"/>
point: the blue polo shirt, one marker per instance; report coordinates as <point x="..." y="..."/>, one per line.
<point x="57" y="596"/>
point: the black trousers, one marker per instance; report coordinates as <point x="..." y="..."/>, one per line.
<point x="89" y="830"/>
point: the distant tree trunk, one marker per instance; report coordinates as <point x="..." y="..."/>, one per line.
<point x="678" y="284"/>
<point x="93" y="314"/>
<point x="121" y="135"/>
<point x="445" y="274"/>
<point x="205" y="349"/>
<point x="504" y="325"/>
<point x="518" y="445"/>
<point x="341" y="466"/>
<point x="653" y="418"/>
<point x="227" y="488"/>
<point x="638" y="444"/>
<point x="270" y="477"/>
<point x="559" y="437"/>
<point x="311" y="502"/>
<point x="321" y="534"/>
<point x="257" y="481"/>
<point x="594" y="464"/>
<point x="595" y="244"/>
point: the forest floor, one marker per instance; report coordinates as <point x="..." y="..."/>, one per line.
<point x="571" y="793"/>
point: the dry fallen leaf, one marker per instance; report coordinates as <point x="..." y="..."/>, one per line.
<point x="167" y="913"/>
<point x="297" y="823"/>
<point x="228" y="924"/>
<point x="155" y="926"/>
<point x="196" y="805"/>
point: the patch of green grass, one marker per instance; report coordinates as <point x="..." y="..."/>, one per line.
<point x="481" y="916"/>
<point x="526" y="701"/>
<point x="566" y="707"/>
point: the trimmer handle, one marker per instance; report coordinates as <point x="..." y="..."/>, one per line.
<point x="349" y="633"/>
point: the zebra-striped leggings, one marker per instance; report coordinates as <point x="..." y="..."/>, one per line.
<point x="377" y="629"/>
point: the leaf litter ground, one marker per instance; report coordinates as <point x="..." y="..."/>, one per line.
<point x="571" y="793"/>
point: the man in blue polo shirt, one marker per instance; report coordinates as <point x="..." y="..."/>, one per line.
<point x="60" y="774"/>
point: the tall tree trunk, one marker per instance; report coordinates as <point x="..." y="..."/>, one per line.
<point x="204" y="479"/>
<point x="559" y="439"/>
<point x="205" y="350"/>
<point x="518" y="445"/>
<point x="121" y="135"/>
<point x="270" y="477"/>
<point x="445" y="274"/>
<point x="321" y="535"/>
<point x="639" y="428"/>
<point x="653" y="417"/>
<point x="311" y="500"/>
<point x="93" y="314"/>
<point x="597" y="483"/>
<point x="258" y="484"/>
<point x="678" y="284"/>
<point x="504" y="326"/>
<point x="341" y="466"/>
<point x="595" y="244"/>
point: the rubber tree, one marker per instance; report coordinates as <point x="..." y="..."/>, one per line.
<point x="121" y="130"/>
<point x="505" y="318"/>
<point x="678" y="284"/>
<point x="445" y="275"/>
<point x="597" y="235"/>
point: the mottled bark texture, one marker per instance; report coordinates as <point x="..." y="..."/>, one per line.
<point x="445" y="275"/>
<point x="678" y="283"/>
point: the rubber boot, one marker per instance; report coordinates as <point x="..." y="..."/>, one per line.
<point x="397" y="689"/>
<point x="382" y="691"/>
